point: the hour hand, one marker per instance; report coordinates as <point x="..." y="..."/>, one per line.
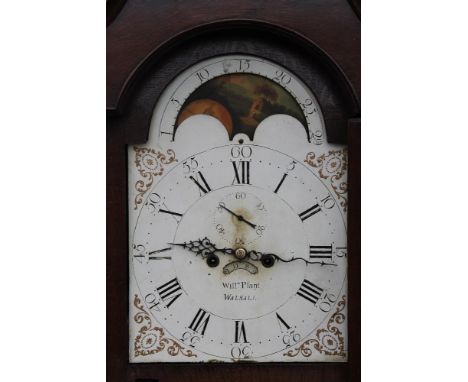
<point x="239" y="217"/>
<point x="203" y="247"/>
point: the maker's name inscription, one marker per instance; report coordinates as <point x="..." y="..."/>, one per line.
<point x="239" y="287"/>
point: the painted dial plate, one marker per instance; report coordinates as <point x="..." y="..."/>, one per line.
<point x="255" y="300"/>
<point x="286" y="182"/>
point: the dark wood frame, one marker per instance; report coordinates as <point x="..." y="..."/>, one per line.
<point x="332" y="70"/>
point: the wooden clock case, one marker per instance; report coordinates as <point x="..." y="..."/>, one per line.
<point x="151" y="42"/>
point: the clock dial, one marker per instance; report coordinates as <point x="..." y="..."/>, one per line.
<point x="238" y="228"/>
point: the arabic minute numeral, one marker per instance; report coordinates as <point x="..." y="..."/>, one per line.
<point x="191" y="338"/>
<point x="241" y="351"/>
<point x="190" y="165"/>
<point x="152" y="301"/>
<point x="328" y="202"/>
<point x="327" y="302"/>
<point x="291" y="337"/>
<point x="153" y="202"/>
<point x="341" y="252"/>
<point x="241" y="152"/>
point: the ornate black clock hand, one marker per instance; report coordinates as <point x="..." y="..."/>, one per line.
<point x="268" y="259"/>
<point x="239" y="217"/>
<point x="203" y="247"/>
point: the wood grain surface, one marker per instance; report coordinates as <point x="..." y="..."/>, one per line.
<point x="143" y="26"/>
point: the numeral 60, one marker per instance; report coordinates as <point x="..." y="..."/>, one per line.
<point x="244" y="152"/>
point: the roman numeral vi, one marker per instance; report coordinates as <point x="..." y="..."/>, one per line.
<point x="240" y="335"/>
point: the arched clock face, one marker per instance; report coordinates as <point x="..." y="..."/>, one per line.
<point x="237" y="222"/>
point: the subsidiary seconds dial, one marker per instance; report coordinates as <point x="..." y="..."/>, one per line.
<point x="241" y="218"/>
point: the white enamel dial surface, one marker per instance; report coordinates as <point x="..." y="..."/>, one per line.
<point x="238" y="245"/>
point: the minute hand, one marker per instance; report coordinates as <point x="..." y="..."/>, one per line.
<point x="257" y="256"/>
<point x="239" y="217"/>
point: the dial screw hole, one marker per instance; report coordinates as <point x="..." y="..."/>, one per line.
<point x="241" y="141"/>
<point x="268" y="261"/>
<point x="212" y="260"/>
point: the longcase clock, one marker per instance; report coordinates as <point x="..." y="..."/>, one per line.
<point x="233" y="192"/>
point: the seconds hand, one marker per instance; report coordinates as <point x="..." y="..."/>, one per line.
<point x="239" y="217"/>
